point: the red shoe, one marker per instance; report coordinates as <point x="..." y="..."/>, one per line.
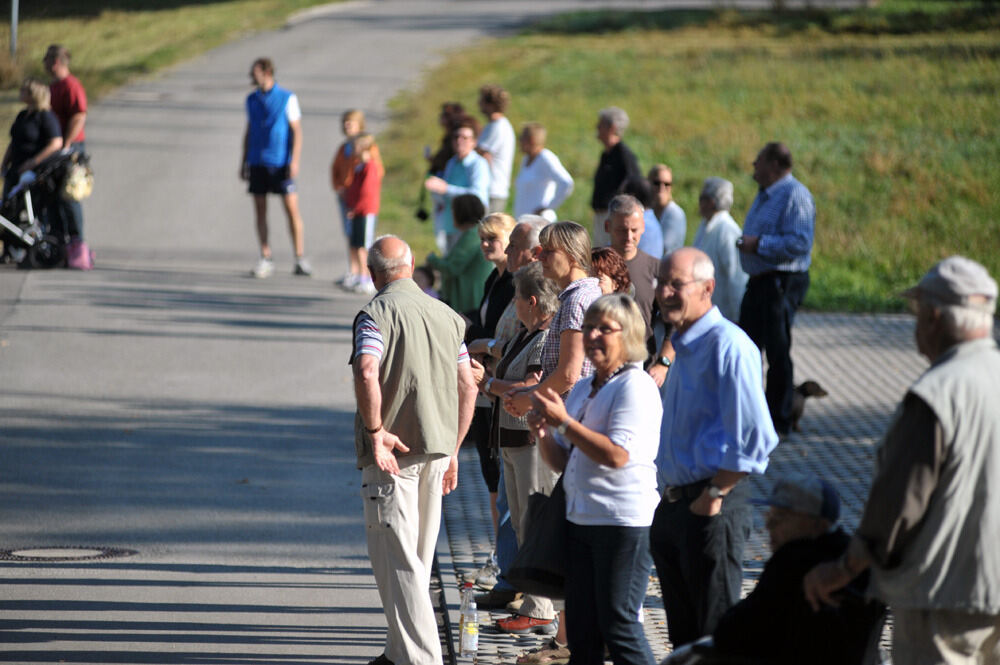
<point x="521" y="625"/>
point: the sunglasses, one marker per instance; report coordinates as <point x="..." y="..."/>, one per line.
<point x="661" y="183"/>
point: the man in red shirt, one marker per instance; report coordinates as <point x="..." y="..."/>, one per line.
<point x="69" y="103"/>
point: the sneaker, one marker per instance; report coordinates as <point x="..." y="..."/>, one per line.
<point x="551" y="653"/>
<point x="264" y="268"/>
<point x="303" y="267"/>
<point x="521" y="625"/>
<point x="486" y="577"/>
<point x="344" y="279"/>
<point x="350" y="281"/>
<point x="366" y="287"/>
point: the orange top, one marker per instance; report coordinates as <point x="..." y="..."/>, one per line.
<point x="342" y="169"/>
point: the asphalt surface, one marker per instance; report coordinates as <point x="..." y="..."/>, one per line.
<point x="169" y="405"/>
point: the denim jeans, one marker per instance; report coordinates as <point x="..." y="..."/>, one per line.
<point x="608" y="571"/>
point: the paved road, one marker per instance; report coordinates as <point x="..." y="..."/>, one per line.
<point x="168" y="404"/>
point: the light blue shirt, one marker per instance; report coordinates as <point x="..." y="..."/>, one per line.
<point x="714" y="412"/>
<point x="674" y="223"/>
<point x="467" y="176"/>
<point x="651" y="240"/>
<point x="783" y="216"/>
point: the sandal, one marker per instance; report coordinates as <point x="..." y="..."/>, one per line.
<point x="551" y="653"/>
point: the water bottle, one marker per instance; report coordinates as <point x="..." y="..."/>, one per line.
<point x="466" y="597"/>
<point x="468" y="642"/>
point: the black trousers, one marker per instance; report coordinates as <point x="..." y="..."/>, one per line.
<point x="699" y="561"/>
<point x="767" y="314"/>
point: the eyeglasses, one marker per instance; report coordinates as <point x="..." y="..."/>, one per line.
<point x="660" y="183"/>
<point x="677" y="286"/>
<point x="602" y="330"/>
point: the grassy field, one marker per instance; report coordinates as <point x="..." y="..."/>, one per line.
<point x="891" y="115"/>
<point x="113" y="41"/>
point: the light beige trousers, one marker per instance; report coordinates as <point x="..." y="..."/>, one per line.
<point x="402" y="518"/>
<point x="945" y="637"/>
<point x="525" y="473"/>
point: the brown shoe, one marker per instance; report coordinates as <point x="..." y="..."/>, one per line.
<point x="522" y="625"/>
<point x="552" y="653"/>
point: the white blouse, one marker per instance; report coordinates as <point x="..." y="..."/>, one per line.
<point x="628" y="411"/>
<point x="545" y="183"/>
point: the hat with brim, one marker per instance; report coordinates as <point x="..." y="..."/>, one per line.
<point x="805" y="494"/>
<point x="956" y="280"/>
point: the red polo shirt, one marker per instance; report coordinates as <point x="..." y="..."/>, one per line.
<point x="68" y="99"/>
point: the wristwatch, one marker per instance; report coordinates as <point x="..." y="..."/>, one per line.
<point x="715" y="492"/>
<point x="563" y="426"/>
<point x="663" y="360"/>
<point x="490" y="344"/>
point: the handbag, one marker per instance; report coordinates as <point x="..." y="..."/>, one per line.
<point x="540" y="565"/>
<point x="79" y="180"/>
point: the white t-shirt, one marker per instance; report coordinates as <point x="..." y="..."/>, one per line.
<point x="545" y="183"/>
<point x="497" y="138"/>
<point x="292" y="110"/>
<point x="628" y="411"/>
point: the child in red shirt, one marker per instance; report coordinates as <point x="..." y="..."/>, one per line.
<point x="362" y="199"/>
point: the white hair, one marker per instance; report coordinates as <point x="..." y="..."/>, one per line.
<point x="615" y="117"/>
<point x="719" y="191"/>
<point x="963" y="323"/>
<point x="534" y="224"/>
<point x="382" y="265"/>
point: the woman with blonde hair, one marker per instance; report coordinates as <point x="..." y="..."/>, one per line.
<point x="604" y="438"/>
<point x="34" y="136"/>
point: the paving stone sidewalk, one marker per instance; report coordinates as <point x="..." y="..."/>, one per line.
<point x="865" y="362"/>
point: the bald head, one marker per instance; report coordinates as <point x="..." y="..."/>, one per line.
<point x="390" y="259"/>
<point x="686" y="284"/>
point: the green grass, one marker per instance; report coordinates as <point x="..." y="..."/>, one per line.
<point x="113" y="43"/>
<point x="891" y="114"/>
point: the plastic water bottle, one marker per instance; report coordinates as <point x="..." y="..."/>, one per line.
<point x="466" y="597"/>
<point x="468" y="642"/>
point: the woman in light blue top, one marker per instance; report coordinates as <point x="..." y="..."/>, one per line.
<point x="604" y="439"/>
<point x="465" y="173"/>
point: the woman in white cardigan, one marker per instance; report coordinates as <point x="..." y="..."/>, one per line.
<point x="716" y="236"/>
<point x="542" y="183"/>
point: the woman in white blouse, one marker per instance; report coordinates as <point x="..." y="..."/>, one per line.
<point x="604" y="439"/>
<point x="542" y="183"/>
<point x="716" y="236"/>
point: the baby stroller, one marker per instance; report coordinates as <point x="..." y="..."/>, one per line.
<point x="31" y="237"/>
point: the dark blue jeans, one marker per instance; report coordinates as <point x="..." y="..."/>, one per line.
<point x="699" y="561"/>
<point x="606" y="583"/>
<point x="66" y="217"/>
<point x="767" y="314"/>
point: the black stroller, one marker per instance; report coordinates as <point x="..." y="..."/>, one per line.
<point x="31" y="237"/>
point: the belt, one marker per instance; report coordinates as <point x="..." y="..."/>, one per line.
<point x="689" y="491"/>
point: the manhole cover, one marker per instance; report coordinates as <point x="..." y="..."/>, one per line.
<point x="64" y="553"/>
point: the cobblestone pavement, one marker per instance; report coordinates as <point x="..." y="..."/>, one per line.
<point x="865" y="362"/>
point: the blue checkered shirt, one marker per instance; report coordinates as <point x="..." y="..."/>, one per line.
<point x="783" y="216"/>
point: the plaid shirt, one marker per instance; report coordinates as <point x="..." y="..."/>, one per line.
<point x="783" y="217"/>
<point x="573" y="304"/>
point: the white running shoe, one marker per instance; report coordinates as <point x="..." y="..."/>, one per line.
<point x="264" y="268"/>
<point x="366" y="287"/>
<point x="303" y="267"/>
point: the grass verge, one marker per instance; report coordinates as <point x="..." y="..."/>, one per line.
<point x="891" y="115"/>
<point x="116" y="41"/>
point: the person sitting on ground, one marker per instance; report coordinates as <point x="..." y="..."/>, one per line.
<point x="611" y="271"/>
<point x="774" y="623"/>
<point x="463" y="269"/>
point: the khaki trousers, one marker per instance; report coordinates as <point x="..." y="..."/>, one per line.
<point x="945" y="637"/>
<point x="402" y="518"/>
<point x="525" y="473"/>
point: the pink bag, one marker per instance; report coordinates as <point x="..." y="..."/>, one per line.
<point x="78" y="255"/>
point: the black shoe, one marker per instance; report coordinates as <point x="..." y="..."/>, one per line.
<point x="495" y="599"/>
<point x="381" y="660"/>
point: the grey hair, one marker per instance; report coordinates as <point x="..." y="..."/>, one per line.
<point x="622" y="309"/>
<point x="719" y="191"/>
<point x="962" y="323"/>
<point x="615" y="117"/>
<point x="625" y="205"/>
<point x="535" y="224"/>
<point x="529" y="281"/>
<point x="379" y="264"/>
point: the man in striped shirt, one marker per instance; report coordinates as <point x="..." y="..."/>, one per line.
<point x="776" y="250"/>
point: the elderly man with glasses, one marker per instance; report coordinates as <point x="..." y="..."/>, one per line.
<point x="716" y="429"/>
